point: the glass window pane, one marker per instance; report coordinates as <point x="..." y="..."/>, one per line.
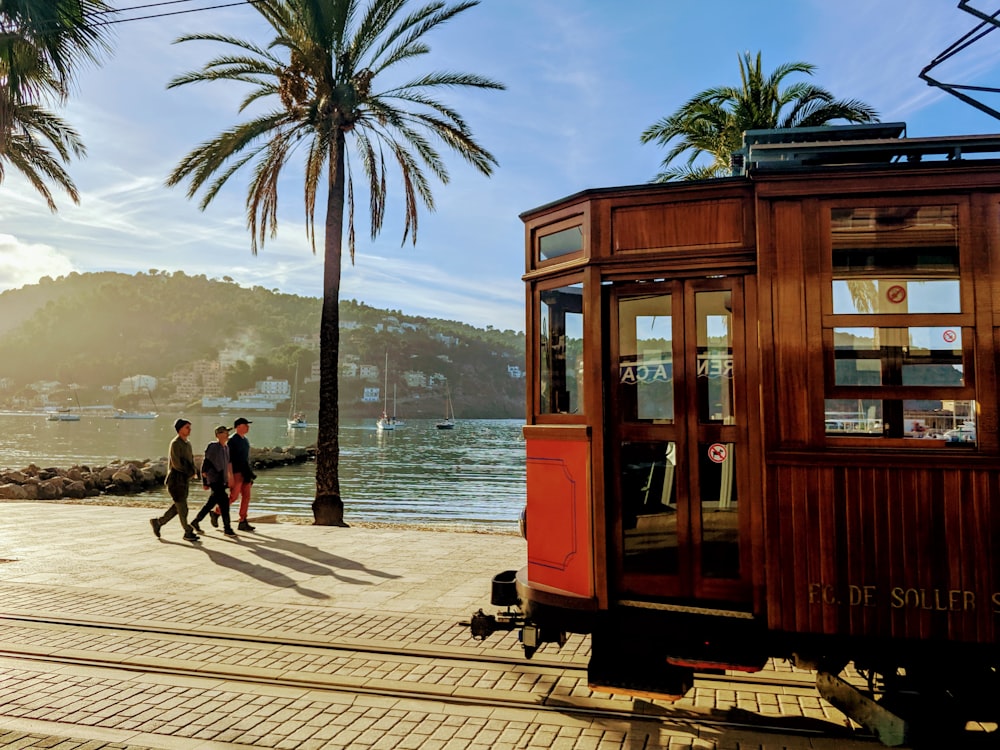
<point x="853" y="417"/>
<point x="953" y="422"/>
<point x="918" y="356"/>
<point x="720" y="533"/>
<point x="560" y="243"/>
<point x="882" y="296"/>
<point x="645" y="369"/>
<point x="561" y="357"/>
<point x="895" y="260"/>
<point x="649" y="507"/>
<point x="715" y="357"/>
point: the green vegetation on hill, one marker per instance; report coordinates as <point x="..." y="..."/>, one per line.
<point x="95" y="329"/>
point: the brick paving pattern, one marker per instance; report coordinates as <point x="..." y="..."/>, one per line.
<point x="287" y="592"/>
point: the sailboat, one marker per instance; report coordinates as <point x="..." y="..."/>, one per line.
<point x="296" y="419"/>
<point x="385" y="422"/>
<point x="65" y="414"/>
<point x="448" y="423"/>
<point x="122" y="414"/>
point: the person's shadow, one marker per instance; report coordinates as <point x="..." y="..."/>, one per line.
<point x="262" y="573"/>
<point x="317" y="555"/>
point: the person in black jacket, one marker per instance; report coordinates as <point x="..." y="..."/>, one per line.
<point x="243" y="476"/>
<point x="215" y="475"/>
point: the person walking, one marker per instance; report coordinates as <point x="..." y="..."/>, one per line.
<point x="215" y="475"/>
<point x="180" y="469"/>
<point x="243" y="476"/>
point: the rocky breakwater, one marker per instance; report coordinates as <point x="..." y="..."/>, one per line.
<point x="118" y="477"/>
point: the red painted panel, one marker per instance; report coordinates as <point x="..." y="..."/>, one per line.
<point x="559" y="525"/>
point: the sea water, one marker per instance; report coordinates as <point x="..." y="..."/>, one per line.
<point x="470" y="477"/>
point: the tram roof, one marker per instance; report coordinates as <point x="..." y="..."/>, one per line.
<point x="783" y="150"/>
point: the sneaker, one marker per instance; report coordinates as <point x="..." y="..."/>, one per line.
<point x="214" y="518"/>
<point x="230" y="532"/>
<point x="245" y="526"/>
<point x="190" y="536"/>
<point x="196" y="527"/>
<point x="155" y="523"/>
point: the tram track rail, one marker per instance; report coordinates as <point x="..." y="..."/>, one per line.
<point x="641" y="711"/>
<point x="377" y="648"/>
<point x="543" y="702"/>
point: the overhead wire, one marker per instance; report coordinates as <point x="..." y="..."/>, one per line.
<point x="161" y="15"/>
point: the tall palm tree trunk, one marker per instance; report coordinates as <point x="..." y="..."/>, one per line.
<point x="328" y="507"/>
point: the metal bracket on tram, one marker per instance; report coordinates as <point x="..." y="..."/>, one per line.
<point x="503" y="594"/>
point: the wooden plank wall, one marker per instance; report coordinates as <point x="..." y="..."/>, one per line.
<point x="887" y="552"/>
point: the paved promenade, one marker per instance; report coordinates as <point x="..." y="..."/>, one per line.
<point x="227" y="644"/>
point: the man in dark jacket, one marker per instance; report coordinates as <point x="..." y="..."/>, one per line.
<point x="215" y="475"/>
<point x="243" y="476"/>
<point x="180" y="469"/>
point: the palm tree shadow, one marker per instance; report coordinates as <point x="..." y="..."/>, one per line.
<point x="319" y="556"/>
<point x="262" y="573"/>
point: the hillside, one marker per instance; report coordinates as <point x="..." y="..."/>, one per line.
<point x="95" y="329"/>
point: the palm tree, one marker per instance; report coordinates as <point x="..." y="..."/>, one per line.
<point x="42" y="42"/>
<point x="713" y="122"/>
<point x="320" y="71"/>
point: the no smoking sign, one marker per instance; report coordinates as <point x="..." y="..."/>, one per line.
<point x="896" y="294"/>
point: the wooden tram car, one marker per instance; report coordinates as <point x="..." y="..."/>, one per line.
<point x="763" y="422"/>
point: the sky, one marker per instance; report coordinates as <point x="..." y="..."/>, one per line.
<point x="583" y="79"/>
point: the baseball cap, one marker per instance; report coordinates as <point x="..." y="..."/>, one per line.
<point x="240" y="421"/>
<point x="220" y="429"/>
<point x="178" y="423"/>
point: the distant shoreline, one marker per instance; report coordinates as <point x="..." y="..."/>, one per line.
<point x="132" y="501"/>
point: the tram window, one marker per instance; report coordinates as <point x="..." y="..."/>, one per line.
<point x="646" y="367"/>
<point x="715" y="357"/>
<point x="649" y="507"/>
<point x="917" y="356"/>
<point x="560" y="243"/>
<point x="953" y="422"/>
<point x="561" y="356"/>
<point x="900" y="261"/>
<point x="720" y="536"/>
<point x="895" y="260"/>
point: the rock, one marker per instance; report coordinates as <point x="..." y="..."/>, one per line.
<point x="12" y="492"/>
<point x="122" y="476"/>
<point x="49" y="490"/>
<point x="75" y="490"/>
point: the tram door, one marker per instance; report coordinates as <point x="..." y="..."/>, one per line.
<point x="677" y="431"/>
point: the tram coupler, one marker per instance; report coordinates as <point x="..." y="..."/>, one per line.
<point x="483" y="625"/>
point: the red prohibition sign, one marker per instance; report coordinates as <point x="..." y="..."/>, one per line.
<point x="717" y="453"/>
<point x="896" y="294"/>
<point x="949" y="335"/>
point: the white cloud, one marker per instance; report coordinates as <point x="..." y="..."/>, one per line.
<point x="22" y="263"/>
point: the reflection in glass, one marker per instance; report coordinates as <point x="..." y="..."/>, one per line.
<point x="561" y="350"/>
<point x="561" y="243"/>
<point x="649" y="507"/>
<point x="720" y="533"/>
<point x="917" y="356"/>
<point x="715" y="357"/>
<point x="952" y="421"/>
<point x="900" y="260"/>
<point x="645" y="369"/>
